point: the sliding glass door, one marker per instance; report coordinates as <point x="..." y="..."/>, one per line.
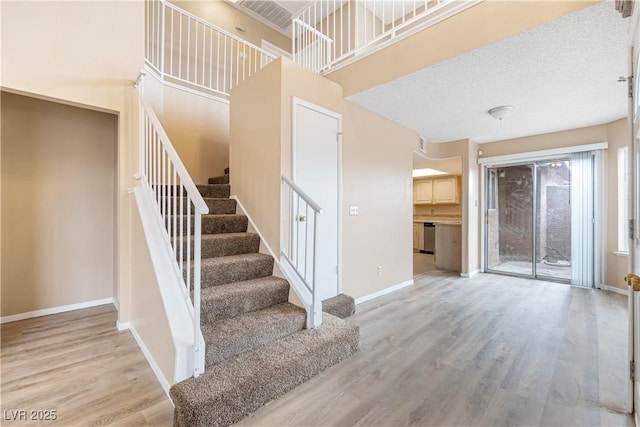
<point x="510" y="219"/>
<point x="537" y="219"/>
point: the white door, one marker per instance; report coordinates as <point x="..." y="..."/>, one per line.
<point x="316" y="170"/>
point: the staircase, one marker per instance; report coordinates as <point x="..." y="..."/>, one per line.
<point x="256" y="346"/>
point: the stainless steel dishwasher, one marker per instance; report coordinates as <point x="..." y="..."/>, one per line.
<point x="429" y="237"/>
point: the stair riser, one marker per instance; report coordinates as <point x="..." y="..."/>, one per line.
<point x="281" y="325"/>
<point x="221" y="274"/>
<point x="216" y="206"/>
<point x="224" y="179"/>
<point x="215" y="191"/>
<point x="242" y="244"/>
<point x="213" y="224"/>
<point x="256" y="298"/>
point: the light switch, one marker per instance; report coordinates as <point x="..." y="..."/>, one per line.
<point x="354" y="210"/>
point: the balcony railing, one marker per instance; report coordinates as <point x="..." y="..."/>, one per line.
<point x="184" y="50"/>
<point x="330" y="34"/>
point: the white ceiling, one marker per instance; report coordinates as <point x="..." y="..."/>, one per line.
<point x="561" y="75"/>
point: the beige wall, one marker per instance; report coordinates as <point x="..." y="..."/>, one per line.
<point x="70" y="51"/>
<point x="547" y="141"/>
<point x="226" y="17"/>
<point x="466" y="150"/>
<point x="58" y="204"/>
<point x="377" y="158"/>
<point x="254" y="155"/>
<point x="149" y="316"/>
<point x="377" y="155"/>
<point x="199" y="130"/>
<point x="615" y="134"/>
<point x="478" y="26"/>
<point x="616" y="267"/>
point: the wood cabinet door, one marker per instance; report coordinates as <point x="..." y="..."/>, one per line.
<point x="445" y="190"/>
<point x="423" y="191"/>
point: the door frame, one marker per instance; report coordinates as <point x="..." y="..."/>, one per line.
<point x="532" y="157"/>
<point x="295" y="102"/>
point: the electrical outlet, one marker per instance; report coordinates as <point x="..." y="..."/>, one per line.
<point x="354" y="210"/>
<point x="379" y="270"/>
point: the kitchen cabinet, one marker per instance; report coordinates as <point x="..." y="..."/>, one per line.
<point x="418" y="236"/>
<point x="445" y="190"/>
<point x="448" y="247"/>
<point x="423" y="191"/>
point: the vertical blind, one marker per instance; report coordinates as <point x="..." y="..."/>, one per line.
<point x="582" y="219"/>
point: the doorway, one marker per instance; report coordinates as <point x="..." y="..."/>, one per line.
<point x="317" y="170"/>
<point x="540" y="219"/>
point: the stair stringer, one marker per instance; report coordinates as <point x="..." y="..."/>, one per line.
<point x="178" y="312"/>
<point x="281" y="269"/>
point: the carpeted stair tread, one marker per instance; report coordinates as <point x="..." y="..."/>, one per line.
<point x="216" y="224"/>
<point x="223" y="179"/>
<point x="216" y="191"/>
<point x="230" y="337"/>
<point x="221" y="206"/>
<point x="341" y="306"/>
<point x="226" y="393"/>
<point x="235" y="268"/>
<point x="231" y="300"/>
<point x="226" y="244"/>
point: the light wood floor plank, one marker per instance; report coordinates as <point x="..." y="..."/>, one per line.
<point x="79" y="365"/>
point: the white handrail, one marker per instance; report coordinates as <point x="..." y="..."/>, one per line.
<point x="302" y="194"/>
<point x="352" y="29"/>
<point x="179" y="207"/>
<point x="187" y="51"/>
<point x="300" y="246"/>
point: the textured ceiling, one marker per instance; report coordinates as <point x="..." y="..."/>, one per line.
<point x="561" y="75"/>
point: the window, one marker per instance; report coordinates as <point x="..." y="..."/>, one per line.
<point x="623" y="199"/>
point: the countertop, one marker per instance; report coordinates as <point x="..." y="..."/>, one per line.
<point x="448" y="220"/>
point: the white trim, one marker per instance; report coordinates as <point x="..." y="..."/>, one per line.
<point x="273" y="49"/>
<point x="614" y="289"/>
<point x="541" y="154"/>
<point x="621" y="254"/>
<point x="384" y="292"/>
<point x="56" y="310"/>
<point x="470" y="274"/>
<point x="192" y="91"/>
<point x="147" y="355"/>
<point x="116" y="304"/>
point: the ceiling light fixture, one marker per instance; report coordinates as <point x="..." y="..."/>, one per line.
<point x="501" y="112"/>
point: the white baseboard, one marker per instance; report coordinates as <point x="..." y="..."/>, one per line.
<point x="614" y="289"/>
<point x="147" y="355"/>
<point x="384" y="292"/>
<point x="470" y="274"/>
<point x="56" y="310"/>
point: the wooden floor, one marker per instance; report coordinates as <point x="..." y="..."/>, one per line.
<point x="488" y="351"/>
<point x="78" y="365"/>
<point x="492" y="350"/>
